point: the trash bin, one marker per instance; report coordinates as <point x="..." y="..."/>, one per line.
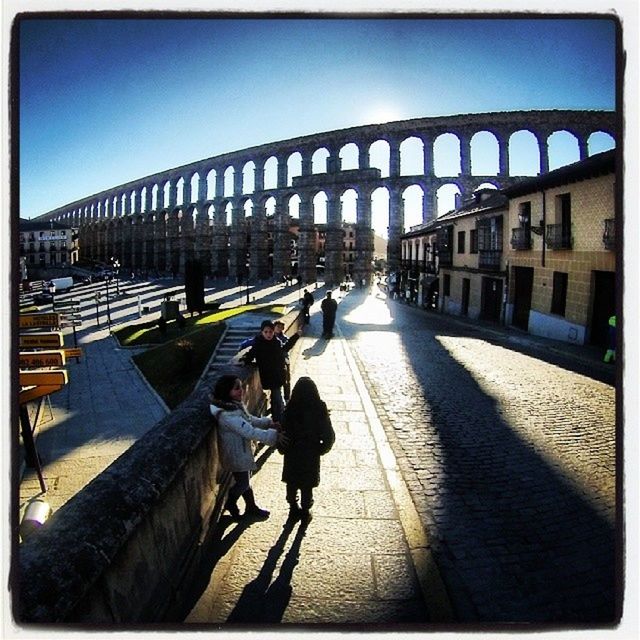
<point x="169" y="309"/>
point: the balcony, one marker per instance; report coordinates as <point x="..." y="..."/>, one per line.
<point x="444" y="257"/>
<point x="489" y="259"/>
<point x="609" y="235"/>
<point x="558" y="236"/>
<point x="520" y="238"/>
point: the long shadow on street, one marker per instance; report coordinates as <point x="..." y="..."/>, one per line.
<point x="516" y="542"/>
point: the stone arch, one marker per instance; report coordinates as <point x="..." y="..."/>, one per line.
<point x="411" y="156"/>
<point x="348" y="205"/>
<point x="446" y="155"/>
<point x="349" y="156"/>
<point x="293" y="206"/>
<point x="228" y="178"/>
<point x="599" y="141"/>
<point x="523" y="143"/>
<point x="447" y="196"/>
<point x="485" y="154"/>
<point x="562" y="148"/>
<point x="379" y="156"/>
<point x="212" y="177"/>
<point x="249" y="177"/>
<point x="271" y="173"/>
<point x="412" y="197"/>
<point x="294" y="167"/>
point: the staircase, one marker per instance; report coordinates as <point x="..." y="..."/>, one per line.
<point x="230" y="343"/>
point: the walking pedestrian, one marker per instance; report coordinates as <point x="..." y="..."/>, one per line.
<point x="307" y="303"/>
<point x="236" y="429"/>
<point x="329" y="307"/>
<point x="270" y="358"/>
<point x="610" y="354"/>
<point x="309" y="435"/>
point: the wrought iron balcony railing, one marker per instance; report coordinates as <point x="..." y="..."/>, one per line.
<point x="558" y="236"/>
<point x="520" y="238"/>
<point x="609" y="235"/>
<point x="445" y="257"/>
<point x="489" y="259"/>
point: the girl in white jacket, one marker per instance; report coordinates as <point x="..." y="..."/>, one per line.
<point x="236" y="428"/>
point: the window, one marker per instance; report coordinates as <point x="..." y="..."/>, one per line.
<point x="446" y="285"/>
<point x="559" y="299"/>
<point x="461" y="235"/>
<point x="473" y="241"/>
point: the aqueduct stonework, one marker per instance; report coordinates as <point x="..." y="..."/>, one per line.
<point x="145" y="225"/>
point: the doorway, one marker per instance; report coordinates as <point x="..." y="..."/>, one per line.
<point x="523" y="277"/>
<point x="491" y="305"/>
<point x="604" y="306"/>
<point x="466" y="287"/>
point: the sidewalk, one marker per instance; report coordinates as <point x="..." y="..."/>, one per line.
<point x="363" y="559"/>
<point x="104" y="408"/>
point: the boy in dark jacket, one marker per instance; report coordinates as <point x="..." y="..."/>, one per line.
<point x="270" y="357"/>
<point x="309" y="433"/>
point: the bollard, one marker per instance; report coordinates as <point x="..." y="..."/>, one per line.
<point x="35" y="515"/>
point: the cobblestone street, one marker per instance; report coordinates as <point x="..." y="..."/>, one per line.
<point x="509" y="457"/>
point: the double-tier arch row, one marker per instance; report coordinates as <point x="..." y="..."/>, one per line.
<point x="202" y="210"/>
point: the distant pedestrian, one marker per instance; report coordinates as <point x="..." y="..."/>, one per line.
<point x="610" y="355"/>
<point x="309" y="435"/>
<point x="236" y="428"/>
<point x="283" y="339"/>
<point x="329" y="307"/>
<point x="307" y="303"/>
<point x="270" y="358"/>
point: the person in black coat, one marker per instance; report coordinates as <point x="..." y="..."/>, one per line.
<point x="307" y="426"/>
<point x="329" y="307"/>
<point x="270" y="357"/>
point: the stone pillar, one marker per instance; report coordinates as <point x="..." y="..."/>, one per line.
<point x="465" y="155"/>
<point x="364" y="239"/>
<point x="503" y="155"/>
<point x="127" y="243"/>
<point x="202" y="186"/>
<point x="396" y="224"/>
<point x="238" y="242"/>
<point x="281" y="244"/>
<point x="307" y="165"/>
<point x="333" y="264"/>
<point x="544" y="152"/>
<point x="394" y="159"/>
<point x="187" y="236"/>
<point x="161" y="241"/>
<point x="173" y="193"/>
<point x="220" y="241"/>
<point x="148" y="198"/>
<point x="186" y="191"/>
<point x="334" y="163"/>
<point x="237" y="180"/>
<point x="259" y="262"/>
<point x="258" y="180"/>
<point x="427" y="156"/>
<point x="282" y="172"/>
<point x="173" y="242"/>
<point x="364" y="157"/>
<point x="203" y="238"/>
<point x="429" y="203"/>
<point x="306" y="240"/>
<point x="583" y="147"/>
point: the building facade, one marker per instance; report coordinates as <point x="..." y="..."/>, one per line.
<point x="562" y="256"/>
<point x="457" y="263"/>
<point x="45" y="244"/>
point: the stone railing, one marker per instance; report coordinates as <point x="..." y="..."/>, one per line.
<point x="124" y="548"/>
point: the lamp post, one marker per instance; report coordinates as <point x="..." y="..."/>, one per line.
<point x="116" y="270"/>
<point x="98" y="309"/>
<point x="106" y="281"/>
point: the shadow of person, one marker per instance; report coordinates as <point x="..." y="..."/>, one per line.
<point x="263" y="601"/>
<point x="316" y="350"/>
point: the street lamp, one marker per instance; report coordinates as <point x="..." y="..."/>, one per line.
<point x="525" y="221"/>
<point x="98" y="295"/>
<point x="116" y="270"/>
<point x="106" y="281"/>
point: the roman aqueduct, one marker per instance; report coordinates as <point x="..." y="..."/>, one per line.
<point x="188" y="212"/>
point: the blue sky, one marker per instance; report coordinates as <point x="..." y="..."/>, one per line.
<point x="103" y="102"/>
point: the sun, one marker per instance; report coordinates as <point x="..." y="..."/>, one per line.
<point x="379" y="114"/>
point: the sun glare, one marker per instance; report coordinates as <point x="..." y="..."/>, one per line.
<point x="379" y="114"/>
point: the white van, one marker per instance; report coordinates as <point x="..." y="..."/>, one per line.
<point x="61" y="284"/>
